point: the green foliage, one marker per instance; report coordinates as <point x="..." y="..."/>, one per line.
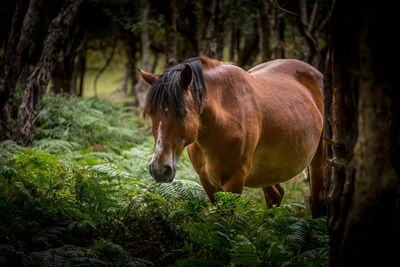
<point x="181" y="190"/>
<point x="66" y="256"/>
<point x="56" y="146"/>
<point x="82" y="196"/>
<point x="85" y="122"/>
<point x="116" y="255"/>
<point x="236" y="232"/>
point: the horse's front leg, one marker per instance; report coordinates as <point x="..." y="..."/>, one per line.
<point x="209" y="188"/>
<point x="234" y="183"/>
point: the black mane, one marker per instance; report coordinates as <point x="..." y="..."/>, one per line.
<point x="167" y="91"/>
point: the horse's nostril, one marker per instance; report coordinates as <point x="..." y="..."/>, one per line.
<point x="167" y="170"/>
<point x="151" y="170"/>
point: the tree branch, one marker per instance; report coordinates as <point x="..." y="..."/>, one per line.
<point x="104" y="67"/>
<point x="285" y="10"/>
<point x="328" y="17"/>
<point x="312" y="17"/>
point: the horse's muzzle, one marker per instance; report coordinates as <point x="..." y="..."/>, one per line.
<point x="163" y="173"/>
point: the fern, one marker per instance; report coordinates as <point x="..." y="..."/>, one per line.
<point x="56" y="146"/>
<point x="300" y="233"/>
<point x="9" y="256"/>
<point x="66" y="256"/>
<point x="244" y="253"/>
<point x="84" y="122"/>
<point x="117" y="255"/>
<point x="7" y="151"/>
<point x="79" y="227"/>
<point x="86" y="182"/>
<point x="43" y="237"/>
<point x="9" y="147"/>
<point x="181" y="190"/>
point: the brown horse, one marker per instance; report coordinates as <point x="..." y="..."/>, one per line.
<point x="256" y="128"/>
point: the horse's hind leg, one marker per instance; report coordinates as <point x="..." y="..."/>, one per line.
<point x="273" y="195"/>
<point x="317" y="175"/>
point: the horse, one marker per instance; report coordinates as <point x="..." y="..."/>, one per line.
<point x="255" y="128"/>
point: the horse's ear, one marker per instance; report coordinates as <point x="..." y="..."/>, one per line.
<point x="186" y="76"/>
<point x="148" y="77"/>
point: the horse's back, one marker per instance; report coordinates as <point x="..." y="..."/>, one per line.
<point x="297" y="70"/>
<point x="292" y="67"/>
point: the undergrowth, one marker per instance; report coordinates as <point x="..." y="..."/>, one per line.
<point x="82" y="196"/>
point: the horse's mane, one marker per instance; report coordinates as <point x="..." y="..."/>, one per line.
<point x="167" y="91"/>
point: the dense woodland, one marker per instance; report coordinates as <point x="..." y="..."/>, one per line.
<point x="74" y="183"/>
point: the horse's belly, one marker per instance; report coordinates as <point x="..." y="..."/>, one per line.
<point x="263" y="173"/>
<point x="274" y="163"/>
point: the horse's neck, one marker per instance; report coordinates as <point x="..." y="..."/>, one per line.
<point x="227" y="88"/>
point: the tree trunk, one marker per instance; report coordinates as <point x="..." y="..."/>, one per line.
<point x="39" y="79"/>
<point x="362" y="127"/>
<point x="250" y="49"/>
<point x="219" y="21"/>
<point x="130" y="68"/>
<point x="64" y="75"/>
<point x="74" y="77"/>
<point x="232" y="46"/>
<point x="125" y="78"/>
<point x="212" y="37"/>
<point x="264" y="29"/>
<point x="142" y="87"/>
<point x="155" y="61"/>
<point x="11" y="69"/>
<point x="66" y="71"/>
<point x="280" y="49"/>
<point x="133" y="61"/>
<point x="82" y="71"/>
<point x="170" y="31"/>
<point x="188" y="27"/>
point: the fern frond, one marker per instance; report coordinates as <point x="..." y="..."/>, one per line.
<point x="300" y="233"/>
<point x="244" y="252"/>
<point x="181" y="190"/>
<point x="67" y="256"/>
<point x="56" y="146"/>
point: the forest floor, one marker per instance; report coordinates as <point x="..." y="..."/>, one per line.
<point x="82" y="196"/>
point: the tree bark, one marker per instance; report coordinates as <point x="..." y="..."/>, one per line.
<point x="280" y="49"/>
<point x="170" y="32"/>
<point x="129" y="67"/>
<point x="125" y="77"/>
<point x="11" y="69"/>
<point x="305" y="26"/>
<point x="250" y="49"/>
<point x="188" y="27"/>
<point x="264" y="30"/>
<point x="232" y="46"/>
<point x="142" y="87"/>
<point x="212" y="37"/>
<point x="39" y="79"/>
<point x="362" y="128"/>
<point x="82" y="71"/>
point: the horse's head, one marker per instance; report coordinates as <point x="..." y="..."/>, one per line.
<point x="175" y="122"/>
